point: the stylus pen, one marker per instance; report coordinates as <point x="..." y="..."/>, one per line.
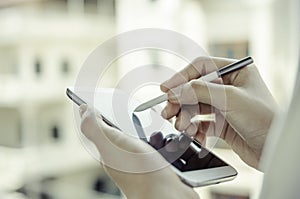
<point x="209" y="77"/>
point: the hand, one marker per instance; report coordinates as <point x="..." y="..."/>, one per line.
<point x="126" y="161"/>
<point x="243" y="101"/>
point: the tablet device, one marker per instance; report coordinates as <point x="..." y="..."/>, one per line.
<point x="194" y="164"/>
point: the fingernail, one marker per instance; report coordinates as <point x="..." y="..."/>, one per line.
<point x="163" y="88"/>
<point x="82" y="108"/>
<point x="190" y="132"/>
<point x="164" y="113"/>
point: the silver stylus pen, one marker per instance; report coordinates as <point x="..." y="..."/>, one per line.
<point x="209" y="77"/>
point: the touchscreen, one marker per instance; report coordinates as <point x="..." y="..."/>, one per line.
<point x="184" y="153"/>
<point x="113" y="104"/>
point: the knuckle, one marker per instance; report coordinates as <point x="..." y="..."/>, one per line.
<point x="185" y="74"/>
<point x="231" y="91"/>
<point x="231" y="95"/>
<point x="194" y="84"/>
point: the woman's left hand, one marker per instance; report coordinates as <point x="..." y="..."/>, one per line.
<point x="127" y="161"/>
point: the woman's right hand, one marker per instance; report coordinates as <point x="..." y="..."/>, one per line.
<point x="243" y="101"/>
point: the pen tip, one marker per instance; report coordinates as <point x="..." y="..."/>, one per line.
<point x="138" y="109"/>
<point x="141" y="107"/>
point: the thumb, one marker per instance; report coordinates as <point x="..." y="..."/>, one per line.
<point x="94" y="128"/>
<point x="106" y="137"/>
<point x="199" y="91"/>
<point x="117" y="150"/>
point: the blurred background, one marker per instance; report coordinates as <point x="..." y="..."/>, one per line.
<point x="43" y="44"/>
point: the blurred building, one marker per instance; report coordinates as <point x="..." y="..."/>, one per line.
<point x="43" y="44"/>
<point x="42" y="47"/>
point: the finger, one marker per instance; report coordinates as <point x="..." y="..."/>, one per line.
<point x="203" y="128"/>
<point x="221" y="125"/>
<point x="199" y="67"/>
<point x="89" y="126"/>
<point x="201" y="138"/>
<point x="194" y="70"/>
<point x="157" y="140"/>
<point x="170" y="110"/>
<point x="116" y="147"/>
<point x="195" y="91"/>
<point x="82" y="109"/>
<point x="108" y="139"/>
<point x="183" y="120"/>
<point x="89" y="123"/>
<point x="187" y="113"/>
<point x="93" y="126"/>
<point x="192" y="129"/>
<point x="206" y="109"/>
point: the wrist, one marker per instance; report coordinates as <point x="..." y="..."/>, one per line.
<point x="166" y="190"/>
<point x="166" y="194"/>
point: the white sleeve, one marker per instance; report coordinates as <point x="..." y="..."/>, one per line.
<point x="282" y="152"/>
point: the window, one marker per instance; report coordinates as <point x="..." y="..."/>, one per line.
<point x="91" y="6"/>
<point x="8" y="61"/>
<point x="107" y="7"/>
<point x="105" y="185"/>
<point x="65" y="67"/>
<point x="55" y="132"/>
<point x="10" y="125"/>
<point x="38" y="67"/>
<point x="235" y="50"/>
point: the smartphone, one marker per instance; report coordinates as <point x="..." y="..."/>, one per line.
<point x="194" y="164"/>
